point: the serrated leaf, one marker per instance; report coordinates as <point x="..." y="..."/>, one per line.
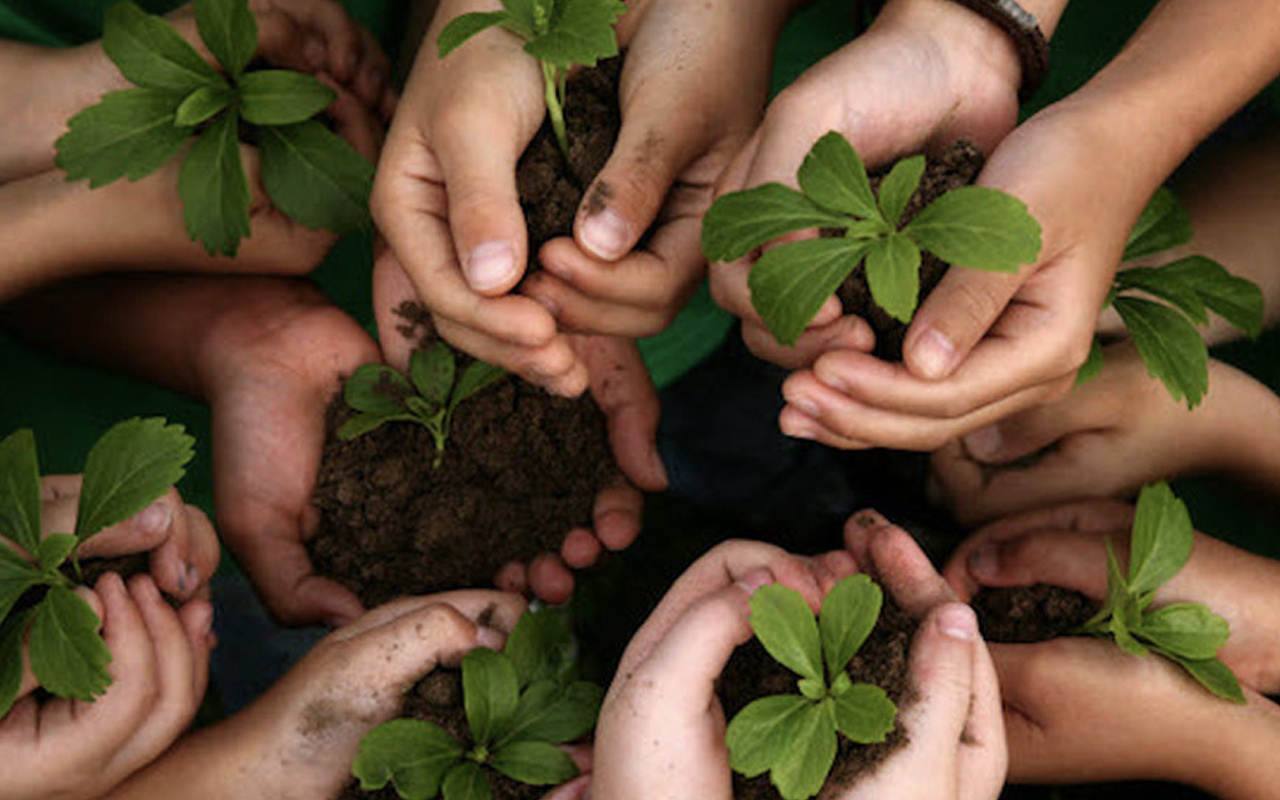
<point x="893" y="275"/>
<point x="1189" y="630"/>
<point x="17" y="575"/>
<point x="849" y="613"/>
<point x="363" y="390"/>
<point x="229" y="30"/>
<point x="898" y="186"/>
<point x="413" y="754"/>
<point x="740" y="222"/>
<point x="1169" y="346"/>
<point x="865" y="714"/>
<point x="538" y="644"/>
<point x="1166" y="286"/>
<point x="978" y="228"/>
<point x="1161" y="541"/>
<point x="581" y="33"/>
<point x="550" y="713"/>
<point x="1213" y="675"/>
<point x="1163" y="224"/>
<point x="1092" y="366"/>
<point x="463" y="27"/>
<point x="281" y="97"/>
<point x="203" y="104"/>
<point x="20" y="490"/>
<point x="1238" y="301"/>
<point x="128" y="134"/>
<point x="150" y="53"/>
<point x="477" y="377"/>
<point x="534" y="763"/>
<point x="790" y="283"/>
<point x="132" y="464"/>
<point x="806" y="758"/>
<point x="432" y="372"/>
<point x="67" y="654"/>
<point x="757" y="734"/>
<point x="490" y="692"/>
<point x="785" y="626"/>
<point x="54" y="549"/>
<point x="11" y="635"/>
<point x="214" y="190"/>
<point x="316" y="178"/>
<point x="833" y="176"/>
<point x="466" y="781"/>
<point x="362" y="423"/>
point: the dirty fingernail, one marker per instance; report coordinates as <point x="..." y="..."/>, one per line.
<point x="754" y="579"/>
<point x="934" y="354"/>
<point x="490" y="264"/>
<point x="606" y="234"/>
<point x="957" y="621"/>
<point x="868" y="519"/>
<point x="984" y="442"/>
<point x="984" y="563"/>
<point x="155" y="518"/>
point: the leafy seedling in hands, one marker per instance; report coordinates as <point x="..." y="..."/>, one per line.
<point x="1165" y="333"/>
<point x="970" y="226"/>
<point x="520" y="703"/>
<point x="311" y="175"/>
<point x="131" y="465"/>
<point x="1186" y="633"/>
<point x="428" y="396"/>
<point x="794" y="736"/>
<point x="561" y="34"/>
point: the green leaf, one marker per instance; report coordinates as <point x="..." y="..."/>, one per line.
<point x="466" y="781"/>
<point x="554" y="714"/>
<point x="785" y="626"/>
<point x="848" y="615"/>
<point x="432" y="372"/>
<point x="20" y="490"/>
<point x="363" y="390"/>
<point x="978" y="228"/>
<point x="316" y="178"/>
<point x="898" y="186"/>
<point x="67" y="654"/>
<point x="229" y="30"/>
<point x="132" y="464"/>
<point x="534" y="763"/>
<point x="11" y="635"/>
<point x="865" y="714"/>
<point x="413" y="754"/>
<point x="214" y="190"/>
<point x="362" y="423"/>
<point x="812" y="689"/>
<point x="1169" y="346"/>
<point x="833" y="176"/>
<point x="1163" y="224"/>
<point x="523" y="14"/>
<point x="422" y="409"/>
<point x="17" y="575"/>
<point x="281" y="97"/>
<point x="791" y="282"/>
<point x="1162" y="539"/>
<point x="1238" y="301"/>
<point x="1092" y="366"/>
<point x="54" y="549"/>
<point x="463" y="27"/>
<point x="1213" y="675"/>
<point x="757" y="734"/>
<point x="150" y="53"/>
<point x="893" y="275"/>
<point x="538" y="643"/>
<point x="477" y="377"/>
<point x="128" y="134"/>
<point x="1123" y="636"/>
<point x="490" y="693"/>
<point x="740" y="222"/>
<point x="202" y="105"/>
<point x="806" y="758"/>
<point x="1189" y="630"/>
<point x="581" y="33"/>
<point x="1166" y="286"/>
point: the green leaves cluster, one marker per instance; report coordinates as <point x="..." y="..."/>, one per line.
<point x="131" y="465"/>
<point x="429" y="395"/>
<point x="310" y="174"/>
<point x="1186" y="633"/>
<point x="970" y="226"/>
<point x="1164" y="333"/>
<point x="561" y="34"/>
<point x="520" y="703"/>
<point x="794" y="736"/>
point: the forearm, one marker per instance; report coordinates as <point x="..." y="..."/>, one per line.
<point x="43" y="233"/>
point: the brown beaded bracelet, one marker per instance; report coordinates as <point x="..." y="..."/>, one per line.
<point x="1024" y="29"/>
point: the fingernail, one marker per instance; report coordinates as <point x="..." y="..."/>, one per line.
<point x="490" y="264"/>
<point x="934" y="353"/>
<point x="552" y="307"/>
<point x="983" y="443"/>
<point x="984" y="563"/>
<point x="606" y="234"/>
<point x="488" y="637"/>
<point x="797" y="430"/>
<point x="754" y="580"/>
<point x="204" y="619"/>
<point x="957" y="621"/>
<point x="191" y="576"/>
<point x="155" y="518"/>
<point x="833" y="380"/>
<point x="868" y="519"/>
<point x="806" y="404"/>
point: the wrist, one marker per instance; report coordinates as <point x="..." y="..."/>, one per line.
<point x="1241" y="765"/>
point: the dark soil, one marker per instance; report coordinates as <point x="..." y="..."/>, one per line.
<point x="956" y="166"/>
<point x="752" y="673"/>
<point x="1028" y="614"/>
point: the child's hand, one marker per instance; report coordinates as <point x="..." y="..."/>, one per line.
<point x="71" y="749"/>
<point x="1066" y="546"/>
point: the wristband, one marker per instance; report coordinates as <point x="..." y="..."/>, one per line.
<point x="1024" y="29"/>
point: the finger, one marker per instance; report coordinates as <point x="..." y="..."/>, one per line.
<point x="554" y="366"/>
<point x="621" y="386"/>
<point x="402" y="650"/>
<point x="329" y="22"/>
<point x="1070" y="559"/>
<point x="59" y="502"/>
<point x="957" y="314"/>
<point x="580" y="549"/>
<point x="512" y="577"/>
<point x="197" y="622"/>
<point x="942" y="669"/>
<point x="830" y="568"/>
<point x="1032" y="430"/>
<point x="354" y="121"/>
<point x="550" y="580"/>
<point x="579" y="312"/>
<point x="984" y="752"/>
<point x="901" y="566"/>
<point x="576" y="789"/>
<point x="496" y="611"/>
<point x="373" y="77"/>
<point x="617" y="516"/>
<point x="282" y="572"/>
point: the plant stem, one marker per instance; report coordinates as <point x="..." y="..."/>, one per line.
<point x="555" y="107"/>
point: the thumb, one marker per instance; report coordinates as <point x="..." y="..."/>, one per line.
<point x="621" y="386"/>
<point x="942" y="668"/>
<point x="1070" y="559"/>
<point x="1028" y="432"/>
<point x="954" y="318"/>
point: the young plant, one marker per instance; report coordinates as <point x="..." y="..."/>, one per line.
<point x="310" y="174"/>
<point x="131" y="465"/>
<point x="794" y="736"/>
<point x="970" y="226"/>
<point x="429" y="396"/>
<point x="520" y="703"/>
<point x="561" y="34"/>
<point x="1165" y="333"/>
<point x="1187" y="633"/>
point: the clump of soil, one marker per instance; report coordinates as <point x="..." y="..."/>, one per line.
<point x="752" y="673"/>
<point x="1028" y="614"/>
<point x="956" y="166"/>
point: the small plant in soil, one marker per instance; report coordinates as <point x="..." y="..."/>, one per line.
<point x="971" y="226"/>
<point x="520" y="703"/>
<point x="561" y="34"/>
<point x="131" y="465"/>
<point x="794" y="736"/>
<point x="310" y="173"/>
<point x="1188" y="634"/>
<point x="428" y="396"/>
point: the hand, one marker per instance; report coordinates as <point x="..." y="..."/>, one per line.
<point x="1065" y="546"/>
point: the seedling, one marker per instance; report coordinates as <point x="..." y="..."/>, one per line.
<point x="970" y="226"/>
<point x="428" y="396"/>
<point x="131" y="465"/>
<point x="520" y="703"/>
<point x="1165" y="333"/>
<point x="794" y="736"/>
<point x="1188" y="634"/>
<point x="561" y="34"/>
<point x="310" y="174"/>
